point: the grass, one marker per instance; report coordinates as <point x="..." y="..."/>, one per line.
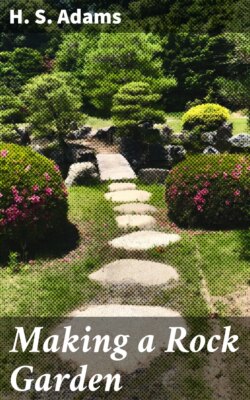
<point x="173" y="120"/>
<point x="55" y="286"/>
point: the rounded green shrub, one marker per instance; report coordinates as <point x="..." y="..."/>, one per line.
<point x="32" y="196"/>
<point x="212" y="191"/>
<point x="205" y="117"/>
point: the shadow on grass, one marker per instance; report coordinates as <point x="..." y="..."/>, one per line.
<point x="55" y="245"/>
<point x="245" y="243"/>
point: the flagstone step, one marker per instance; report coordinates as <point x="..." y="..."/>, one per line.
<point x="114" y="167"/>
<point x="115" y="187"/>
<point x="127" y="196"/>
<point x="144" y="240"/>
<point x="114" y="320"/>
<point x="135" y="221"/>
<point x="133" y="271"/>
<point x="135" y="208"/>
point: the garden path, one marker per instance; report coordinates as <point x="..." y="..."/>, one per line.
<point x="114" y="167"/>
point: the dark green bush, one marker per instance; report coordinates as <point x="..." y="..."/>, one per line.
<point x="32" y="196"/>
<point x="210" y="191"/>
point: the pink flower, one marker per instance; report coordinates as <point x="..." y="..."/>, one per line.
<point x="4" y="153"/>
<point x="225" y="175"/>
<point x="237" y="192"/>
<point x="207" y="184"/>
<point x="248" y="168"/>
<point x="35" y="188"/>
<point x="35" y="199"/>
<point x="200" y="208"/>
<point x="227" y="202"/>
<point x="47" y="176"/>
<point x="1" y="195"/>
<point x="48" y="191"/>
<point x="236" y="174"/>
<point x="56" y="168"/>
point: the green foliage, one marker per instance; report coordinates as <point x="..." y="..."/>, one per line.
<point x="210" y="191"/>
<point x="135" y="103"/>
<point x="196" y="60"/>
<point x="205" y="117"/>
<point x="121" y="58"/>
<point x="72" y="52"/>
<point x="32" y="199"/>
<point x="11" y="112"/>
<point x="17" y="67"/>
<point x="53" y="103"/>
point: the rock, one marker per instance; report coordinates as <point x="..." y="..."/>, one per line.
<point x="116" y="187"/>
<point x="210" y="150"/>
<point x="80" y="133"/>
<point x="135" y="208"/>
<point x="166" y="134"/>
<point x="105" y="134"/>
<point x="132" y="271"/>
<point x="144" y="240"/>
<point x="24" y="134"/>
<point x="127" y="196"/>
<point x="82" y="174"/>
<point x="114" y="167"/>
<point x="81" y="154"/>
<point x="241" y="141"/>
<point x="113" y="320"/>
<point x="135" y="221"/>
<point x="220" y="138"/>
<point x="174" y="154"/>
<point x="152" y="175"/>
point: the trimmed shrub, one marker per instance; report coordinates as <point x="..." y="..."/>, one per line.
<point x="32" y="196"/>
<point x="210" y="191"/>
<point x="205" y="117"/>
<point x="135" y="103"/>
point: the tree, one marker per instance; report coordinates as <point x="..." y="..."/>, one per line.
<point x="11" y="113"/>
<point x="53" y="102"/>
<point x="120" y="58"/>
<point x="72" y="51"/>
<point x="134" y="104"/>
<point x="17" y="67"/>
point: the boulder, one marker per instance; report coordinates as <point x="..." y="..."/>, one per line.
<point x="166" y="134"/>
<point x="24" y="134"/>
<point x="174" y="154"/>
<point x="219" y="138"/>
<point x="105" y="134"/>
<point x="84" y="173"/>
<point x="241" y="141"/>
<point x="152" y="175"/>
<point x="81" y="154"/>
<point x="80" y="133"/>
<point x="210" y="150"/>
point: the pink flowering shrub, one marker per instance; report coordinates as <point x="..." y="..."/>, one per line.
<point x="212" y="191"/>
<point x="32" y="195"/>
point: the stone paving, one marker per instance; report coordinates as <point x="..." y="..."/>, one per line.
<point x="134" y="213"/>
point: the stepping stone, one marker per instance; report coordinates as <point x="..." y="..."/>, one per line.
<point x="135" y="208"/>
<point x="115" y="187"/>
<point x="126" y="196"/>
<point x="144" y="240"/>
<point x="114" y="167"/>
<point x="130" y="271"/>
<point x="135" y="221"/>
<point x="157" y="322"/>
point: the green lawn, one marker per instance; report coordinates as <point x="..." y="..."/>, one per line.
<point x="173" y="120"/>
<point x="56" y="286"/>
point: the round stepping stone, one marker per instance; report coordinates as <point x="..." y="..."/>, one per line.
<point x="156" y="322"/>
<point x="115" y="187"/>
<point x="135" y="221"/>
<point x="135" y="208"/>
<point x="132" y="271"/>
<point x="126" y="196"/>
<point x="144" y="240"/>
